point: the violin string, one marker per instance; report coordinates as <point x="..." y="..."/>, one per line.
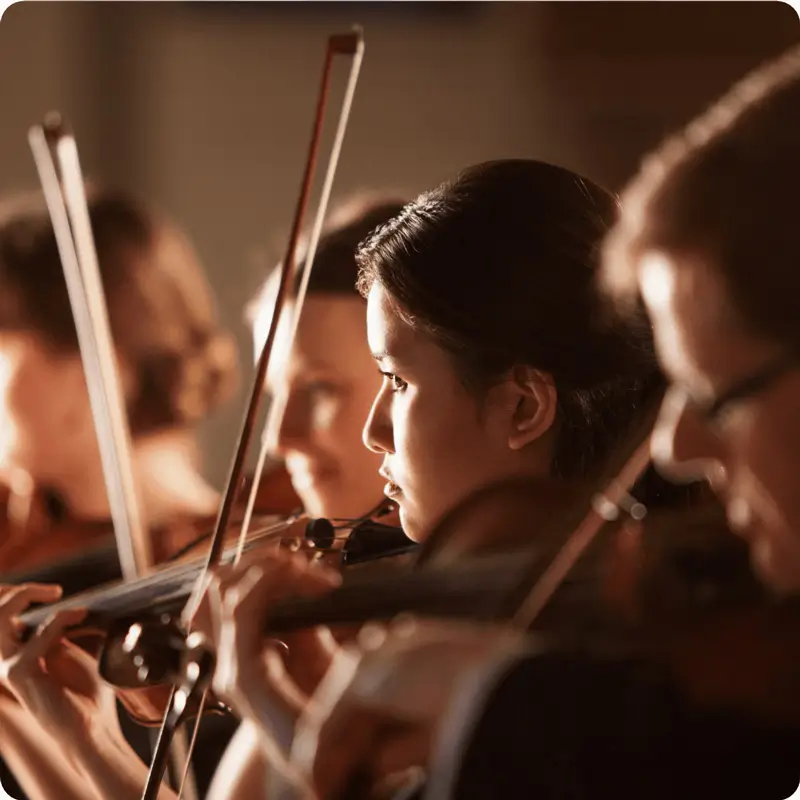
<point x="203" y="537"/>
<point x="338" y="524"/>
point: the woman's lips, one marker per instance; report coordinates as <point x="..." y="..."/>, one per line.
<point x="392" y="489"/>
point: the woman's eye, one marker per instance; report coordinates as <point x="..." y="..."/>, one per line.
<point x="397" y="384"/>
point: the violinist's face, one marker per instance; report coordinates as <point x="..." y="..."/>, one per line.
<point x="439" y="443"/>
<point x="331" y="380"/>
<point x="750" y="449"/>
<point x="45" y="416"/>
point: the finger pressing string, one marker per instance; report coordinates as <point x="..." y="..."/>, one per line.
<point x="74" y="669"/>
<point x="18" y="598"/>
<point x="14" y="671"/>
<point x="52" y="629"/>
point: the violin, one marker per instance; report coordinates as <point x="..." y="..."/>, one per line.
<point x="157" y="600"/>
<point x="89" y="555"/>
<point x="50" y="546"/>
<point x="37" y="530"/>
<point x="676" y="590"/>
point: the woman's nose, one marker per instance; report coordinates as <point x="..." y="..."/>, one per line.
<point x="378" y="434"/>
<point x="682" y="447"/>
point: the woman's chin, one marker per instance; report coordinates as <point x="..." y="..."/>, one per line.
<point x="410" y="525"/>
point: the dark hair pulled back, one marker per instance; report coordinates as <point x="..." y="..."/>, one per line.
<point x="499" y="268"/>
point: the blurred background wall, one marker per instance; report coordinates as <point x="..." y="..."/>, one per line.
<point x="205" y="108"/>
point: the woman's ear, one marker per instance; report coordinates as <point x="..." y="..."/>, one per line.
<point x="535" y="407"/>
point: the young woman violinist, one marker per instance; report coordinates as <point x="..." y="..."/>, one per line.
<point x="710" y="242"/>
<point x="497" y="375"/>
<point x="481" y="318"/>
<point x="177" y="363"/>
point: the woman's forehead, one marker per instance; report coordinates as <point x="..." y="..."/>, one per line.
<point x="331" y="332"/>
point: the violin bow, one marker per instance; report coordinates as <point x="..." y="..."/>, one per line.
<point x="280" y="399"/>
<point x="624" y="468"/>
<point x="55" y="153"/>
<point x="352" y="45"/>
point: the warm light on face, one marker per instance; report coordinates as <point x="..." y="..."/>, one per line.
<point x="261" y="323"/>
<point x="7" y="435"/>
<point x="328" y="380"/>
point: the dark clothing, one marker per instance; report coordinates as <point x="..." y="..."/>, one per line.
<point x="560" y="727"/>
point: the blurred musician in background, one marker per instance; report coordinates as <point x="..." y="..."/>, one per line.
<point x="177" y="365"/>
<point x="331" y="380"/>
<point x="331" y="375"/>
<point x="710" y="241"/>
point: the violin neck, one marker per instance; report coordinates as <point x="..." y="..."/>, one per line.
<point x="376" y="594"/>
<point x="449" y="592"/>
<point x="167" y="590"/>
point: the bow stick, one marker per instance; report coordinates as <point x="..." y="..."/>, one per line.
<point x="55" y="154"/>
<point x="624" y="469"/>
<point x="280" y="399"/>
<point x="65" y="196"/>
<point x="352" y="45"/>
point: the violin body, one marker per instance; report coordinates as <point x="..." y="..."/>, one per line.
<point x="143" y="666"/>
<point x="35" y="532"/>
<point x="77" y="554"/>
